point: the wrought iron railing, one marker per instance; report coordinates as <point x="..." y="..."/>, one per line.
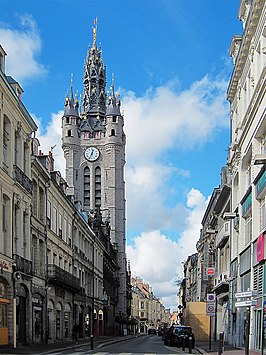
<point x="22" y="178"/>
<point x="62" y="277"/>
<point x="23" y="265"/>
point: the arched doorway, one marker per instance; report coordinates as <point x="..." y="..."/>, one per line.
<point x="21" y="313"/>
<point x="67" y="320"/>
<point x="100" y="315"/>
<point x="37" y="318"/>
<point x="58" y="323"/>
<point x="50" y="320"/>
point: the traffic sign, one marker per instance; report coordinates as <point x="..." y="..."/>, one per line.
<point x="246" y="294"/>
<point x="247" y="303"/>
<point x="210" y="297"/>
<point x="211" y="271"/>
<point x="210" y="309"/>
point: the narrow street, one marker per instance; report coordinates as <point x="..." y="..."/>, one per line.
<point x="141" y="345"/>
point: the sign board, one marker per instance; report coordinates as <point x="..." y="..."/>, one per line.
<point x="246" y="303"/>
<point x="210" y="297"/>
<point x="211" y="271"/>
<point x="246" y="294"/>
<point x="210" y="309"/>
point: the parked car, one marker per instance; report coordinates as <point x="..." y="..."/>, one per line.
<point x="165" y="330"/>
<point x="152" y="331"/>
<point x="176" y="335"/>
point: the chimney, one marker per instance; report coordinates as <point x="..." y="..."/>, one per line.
<point x="2" y="59"/>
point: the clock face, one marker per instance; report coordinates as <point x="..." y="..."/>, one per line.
<point x="92" y="153"/>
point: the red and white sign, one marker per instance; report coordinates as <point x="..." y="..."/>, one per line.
<point x="210" y="271"/>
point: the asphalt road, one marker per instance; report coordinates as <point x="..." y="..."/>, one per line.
<point x="151" y="344"/>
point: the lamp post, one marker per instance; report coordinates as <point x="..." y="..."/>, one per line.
<point x="92" y="303"/>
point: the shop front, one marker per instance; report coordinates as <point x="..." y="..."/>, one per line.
<point x="4" y="304"/>
<point x="37" y="313"/>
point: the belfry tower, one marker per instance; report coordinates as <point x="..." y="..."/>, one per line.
<point x="93" y="142"/>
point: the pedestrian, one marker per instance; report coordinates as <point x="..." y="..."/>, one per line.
<point x="75" y="333"/>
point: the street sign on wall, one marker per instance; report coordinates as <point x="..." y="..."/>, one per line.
<point x="247" y="303"/>
<point x="246" y="294"/>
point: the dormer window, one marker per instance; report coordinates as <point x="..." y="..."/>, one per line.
<point x="67" y="120"/>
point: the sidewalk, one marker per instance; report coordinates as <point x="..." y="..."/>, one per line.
<point x="42" y="349"/>
<point x="203" y="348"/>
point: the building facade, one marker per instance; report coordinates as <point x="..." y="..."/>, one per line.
<point x="147" y="309"/>
<point x="246" y="95"/>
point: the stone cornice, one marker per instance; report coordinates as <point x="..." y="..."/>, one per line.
<point x="241" y="59"/>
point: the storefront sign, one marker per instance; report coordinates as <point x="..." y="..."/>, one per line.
<point x="260" y="248"/>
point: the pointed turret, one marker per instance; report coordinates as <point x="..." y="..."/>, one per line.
<point x="113" y="106"/>
<point x="71" y="104"/>
<point x="94" y="96"/>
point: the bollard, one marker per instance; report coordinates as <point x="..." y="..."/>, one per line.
<point x="190" y="345"/>
<point x="221" y="343"/>
<point x="184" y="343"/>
<point x="92" y="345"/>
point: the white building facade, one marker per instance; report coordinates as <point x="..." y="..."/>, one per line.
<point x="246" y="95"/>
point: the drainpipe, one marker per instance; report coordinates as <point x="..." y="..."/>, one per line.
<point x="46" y="266"/>
<point x="14" y="282"/>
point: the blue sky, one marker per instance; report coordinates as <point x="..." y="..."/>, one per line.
<point x="171" y="64"/>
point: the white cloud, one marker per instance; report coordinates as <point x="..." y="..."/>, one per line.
<point x="158" y="259"/>
<point x="22" y="47"/>
<point x="163" y="118"/>
<point x="49" y="137"/>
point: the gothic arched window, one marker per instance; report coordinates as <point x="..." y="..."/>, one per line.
<point x="98" y="186"/>
<point x="87" y="186"/>
<point x="112" y="132"/>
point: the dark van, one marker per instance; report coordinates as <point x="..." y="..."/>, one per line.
<point x="176" y="335"/>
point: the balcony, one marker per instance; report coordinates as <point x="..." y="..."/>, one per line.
<point x="22" y="179"/>
<point x="223" y="235"/>
<point x="221" y="289"/>
<point x="23" y="265"/>
<point x="60" y="277"/>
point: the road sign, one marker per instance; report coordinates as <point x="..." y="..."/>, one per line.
<point x="246" y="303"/>
<point x="211" y="271"/>
<point x="246" y="294"/>
<point x="210" y="309"/>
<point x="210" y="297"/>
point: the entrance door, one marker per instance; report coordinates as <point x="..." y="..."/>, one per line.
<point x="37" y="325"/>
<point x="3" y="323"/>
<point x="21" y="320"/>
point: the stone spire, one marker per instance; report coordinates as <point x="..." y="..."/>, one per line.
<point x="113" y="106"/>
<point x="71" y="104"/>
<point x="94" y="80"/>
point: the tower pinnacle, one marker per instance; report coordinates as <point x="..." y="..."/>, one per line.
<point x="94" y="29"/>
